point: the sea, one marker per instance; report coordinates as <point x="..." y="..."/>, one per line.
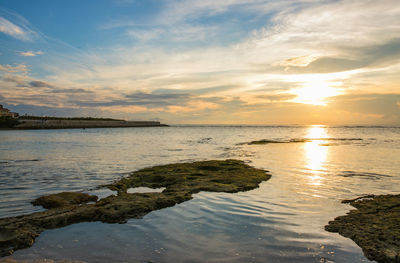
<point x="313" y="169"/>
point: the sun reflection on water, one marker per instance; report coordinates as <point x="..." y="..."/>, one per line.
<point x="315" y="154"/>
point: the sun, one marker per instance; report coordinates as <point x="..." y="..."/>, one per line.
<point x="315" y="92"/>
<point x="315" y="89"/>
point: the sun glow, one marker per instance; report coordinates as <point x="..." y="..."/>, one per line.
<point x="316" y="92"/>
<point x="315" y="89"/>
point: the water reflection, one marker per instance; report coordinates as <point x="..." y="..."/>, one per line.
<point x="317" y="132"/>
<point x="315" y="154"/>
<point x="282" y="220"/>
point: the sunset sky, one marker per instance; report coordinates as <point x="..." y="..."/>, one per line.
<point x="203" y="61"/>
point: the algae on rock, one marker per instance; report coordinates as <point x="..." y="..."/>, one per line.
<point x="180" y="180"/>
<point x="64" y="199"/>
<point x="374" y="226"/>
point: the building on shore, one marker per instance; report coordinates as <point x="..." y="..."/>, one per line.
<point x="7" y="113"/>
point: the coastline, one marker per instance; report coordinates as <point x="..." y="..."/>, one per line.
<point x="33" y="124"/>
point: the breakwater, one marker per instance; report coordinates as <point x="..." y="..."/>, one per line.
<point x="70" y="124"/>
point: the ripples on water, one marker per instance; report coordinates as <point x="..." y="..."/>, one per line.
<point x="282" y="221"/>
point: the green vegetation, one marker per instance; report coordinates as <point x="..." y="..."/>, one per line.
<point x="374" y="226"/>
<point x="181" y="181"/>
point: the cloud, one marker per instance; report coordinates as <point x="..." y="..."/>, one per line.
<point x="277" y="97"/>
<point x="30" y="53"/>
<point x="339" y="22"/>
<point x="183" y="21"/>
<point x="329" y="65"/>
<point x="340" y="31"/>
<point x="384" y="104"/>
<point x="21" y="81"/>
<point x="178" y="11"/>
<point x="40" y="84"/>
<point x="16" y="26"/>
<point x="145" y="34"/>
<point x="300" y="61"/>
<point x="142" y="96"/>
<point x="378" y="55"/>
<point x="21" y="68"/>
<point x="200" y="91"/>
<point x="25" y="81"/>
<point x="118" y="23"/>
<point x="71" y="91"/>
<point x="140" y="99"/>
<point x="192" y="106"/>
<point x="13" y="30"/>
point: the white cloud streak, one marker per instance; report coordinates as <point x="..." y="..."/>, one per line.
<point x="13" y="30"/>
<point x="30" y="53"/>
<point x="20" y="31"/>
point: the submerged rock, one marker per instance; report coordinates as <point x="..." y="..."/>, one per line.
<point x="180" y="180"/>
<point x="367" y="175"/>
<point x="302" y="140"/>
<point x="265" y="141"/>
<point x="374" y="226"/>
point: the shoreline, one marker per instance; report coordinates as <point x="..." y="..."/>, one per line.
<point x="37" y="124"/>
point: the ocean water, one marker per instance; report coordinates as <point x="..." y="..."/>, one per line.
<point x="281" y="221"/>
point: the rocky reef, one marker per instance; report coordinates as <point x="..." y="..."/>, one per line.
<point x="64" y="199"/>
<point x="374" y="226"/>
<point x="180" y="180"/>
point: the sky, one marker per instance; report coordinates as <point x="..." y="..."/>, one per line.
<point x="258" y="62"/>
